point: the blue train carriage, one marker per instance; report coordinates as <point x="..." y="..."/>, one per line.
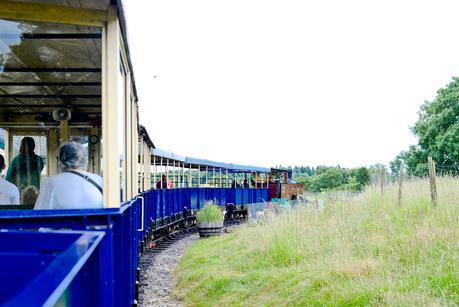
<point x="232" y="186"/>
<point x="65" y="74"/>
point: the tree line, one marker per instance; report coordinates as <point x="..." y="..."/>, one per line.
<point x="325" y="178"/>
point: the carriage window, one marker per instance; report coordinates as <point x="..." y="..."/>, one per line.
<point x="90" y="138"/>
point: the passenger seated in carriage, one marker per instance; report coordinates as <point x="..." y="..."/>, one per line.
<point x="74" y="187"/>
<point x="9" y="193"/>
<point x="29" y="196"/>
<point x="164" y="183"/>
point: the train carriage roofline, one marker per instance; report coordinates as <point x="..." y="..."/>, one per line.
<point x="277" y="170"/>
<point x="196" y="163"/>
<point x="124" y="35"/>
<point x="144" y="134"/>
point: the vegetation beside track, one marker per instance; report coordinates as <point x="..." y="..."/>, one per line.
<point x="210" y="213"/>
<point x="364" y="251"/>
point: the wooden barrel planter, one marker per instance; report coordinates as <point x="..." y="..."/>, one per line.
<point x="209" y="229"/>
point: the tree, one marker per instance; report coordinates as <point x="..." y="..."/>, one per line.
<point x="438" y="126"/>
<point x="362" y="176"/>
<point x="325" y="178"/>
<point x="411" y="158"/>
<point x="394" y="165"/>
<point x="329" y="179"/>
<point x="305" y="180"/>
<point x="438" y="131"/>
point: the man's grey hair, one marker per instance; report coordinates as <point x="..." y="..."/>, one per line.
<point x="72" y="155"/>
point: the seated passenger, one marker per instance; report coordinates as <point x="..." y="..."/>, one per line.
<point x="9" y="193"/>
<point x="164" y="183"/>
<point x="74" y="187"/>
<point x="29" y="196"/>
<point x="234" y="184"/>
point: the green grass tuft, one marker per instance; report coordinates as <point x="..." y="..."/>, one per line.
<point x="359" y="252"/>
<point x="209" y="213"/>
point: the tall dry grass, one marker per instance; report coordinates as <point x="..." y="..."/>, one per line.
<point x="363" y="251"/>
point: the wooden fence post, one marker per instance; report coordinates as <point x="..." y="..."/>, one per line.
<point x="433" y="186"/>
<point x="400" y="185"/>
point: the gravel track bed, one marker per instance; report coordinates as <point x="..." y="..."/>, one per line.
<point x="157" y="266"/>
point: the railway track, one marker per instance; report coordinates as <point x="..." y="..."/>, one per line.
<point x="165" y="242"/>
<point x="162" y="243"/>
<point x="157" y="263"/>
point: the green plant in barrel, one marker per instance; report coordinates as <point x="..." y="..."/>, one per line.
<point x="209" y="213"/>
<point x="209" y="220"/>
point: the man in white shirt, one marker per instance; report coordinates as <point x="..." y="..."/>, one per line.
<point x="9" y="193"/>
<point x="74" y="187"/>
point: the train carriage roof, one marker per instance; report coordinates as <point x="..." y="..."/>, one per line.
<point x="87" y="4"/>
<point x="144" y="133"/>
<point x="164" y="157"/>
<point x="48" y="65"/>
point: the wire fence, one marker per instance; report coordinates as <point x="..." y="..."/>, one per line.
<point x="451" y="171"/>
<point x="378" y="181"/>
<point x="257" y="211"/>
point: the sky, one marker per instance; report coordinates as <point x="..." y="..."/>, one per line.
<point x="285" y="82"/>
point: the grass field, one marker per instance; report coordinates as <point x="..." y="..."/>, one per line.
<point x="364" y="251"/>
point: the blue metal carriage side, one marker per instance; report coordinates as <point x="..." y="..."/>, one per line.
<point x="125" y="232"/>
<point x="52" y="267"/>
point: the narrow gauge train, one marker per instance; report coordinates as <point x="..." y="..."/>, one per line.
<point x="66" y="74"/>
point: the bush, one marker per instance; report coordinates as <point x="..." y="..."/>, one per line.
<point x="329" y="179"/>
<point x="334" y="178"/>
<point x="209" y="213"/>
